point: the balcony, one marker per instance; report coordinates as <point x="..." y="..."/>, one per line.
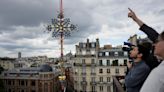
<point x="103" y="83"/>
<point x="75" y="73"/>
<point x="83" y="82"/>
<point x="93" y="83"/>
<point x="76" y="81"/>
<point x="77" y="64"/>
<point x="84" y="64"/>
<point x="83" y="73"/>
<point x="93" y="73"/>
<point x="93" y="64"/>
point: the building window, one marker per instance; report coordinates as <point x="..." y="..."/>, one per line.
<point x="115" y="62"/>
<point x="108" y="79"/>
<point x="109" y="88"/>
<point x="93" y="88"/>
<point x="84" y="78"/>
<point x="101" y="88"/>
<point x="84" y="45"/>
<point x="13" y="82"/>
<point x="93" y="45"/>
<point x="115" y="53"/>
<point x="92" y="52"/>
<point x="32" y="83"/>
<point x="93" y="61"/>
<point x="84" y="88"/>
<point x="9" y="82"/>
<point x="88" y="50"/>
<point x="84" y="70"/>
<point x="117" y="70"/>
<point x="46" y="87"/>
<point x="108" y="70"/>
<point x="100" y="54"/>
<point x="83" y="52"/>
<point x="100" y="70"/>
<point x="125" y="53"/>
<point x="45" y="76"/>
<point x="22" y="83"/>
<point x="108" y="62"/>
<point x="26" y="82"/>
<point x="101" y="79"/>
<point x="9" y="90"/>
<point x="100" y="62"/>
<point x="93" y="79"/>
<point x="92" y="70"/>
<point x="125" y="62"/>
<point x="83" y="61"/>
<point x="41" y="75"/>
<point x="106" y="53"/>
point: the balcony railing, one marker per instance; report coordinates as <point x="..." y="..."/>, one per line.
<point x="83" y="73"/>
<point x="83" y="82"/>
<point x="84" y="64"/>
<point x="93" y="83"/>
<point x="93" y="73"/>
<point x="117" y="86"/>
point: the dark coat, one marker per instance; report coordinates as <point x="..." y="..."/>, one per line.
<point x="151" y="61"/>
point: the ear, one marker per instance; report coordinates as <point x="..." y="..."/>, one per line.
<point x="140" y="55"/>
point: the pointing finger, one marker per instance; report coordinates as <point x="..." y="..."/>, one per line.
<point x="130" y="10"/>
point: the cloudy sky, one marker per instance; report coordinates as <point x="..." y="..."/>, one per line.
<point x="22" y="23"/>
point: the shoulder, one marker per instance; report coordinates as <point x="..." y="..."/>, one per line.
<point x="144" y="66"/>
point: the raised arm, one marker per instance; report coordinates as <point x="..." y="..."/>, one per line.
<point x="150" y="32"/>
<point x="132" y="15"/>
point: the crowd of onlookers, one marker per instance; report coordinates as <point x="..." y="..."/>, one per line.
<point x="146" y="71"/>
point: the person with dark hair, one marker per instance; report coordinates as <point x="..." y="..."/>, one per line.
<point x="151" y="61"/>
<point x="155" y="80"/>
<point x="138" y="69"/>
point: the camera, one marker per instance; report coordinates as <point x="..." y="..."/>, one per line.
<point x="128" y="47"/>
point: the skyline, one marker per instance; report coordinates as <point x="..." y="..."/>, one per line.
<point x="22" y="23"/>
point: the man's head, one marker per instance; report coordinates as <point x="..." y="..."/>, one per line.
<point x="141" y="51"/>
<point x="159" y="46"/>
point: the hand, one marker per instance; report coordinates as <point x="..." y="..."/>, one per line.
<point x="129" y="65"/>
<point x="132" y="15"/>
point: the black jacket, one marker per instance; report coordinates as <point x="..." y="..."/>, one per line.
<point x="151" y="61"/>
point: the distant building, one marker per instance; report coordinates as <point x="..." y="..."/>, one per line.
<point x="19" y="54"/>
<point x="94" y="66"/>
<point x="133" y="39"/>
<point x="7" y="63"/>
<point x="36" y="79"/>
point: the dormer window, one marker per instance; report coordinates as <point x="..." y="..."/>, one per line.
<point x="84" y="45"/>
<point x="93" y="45"/>
<point x="100" y="54"/>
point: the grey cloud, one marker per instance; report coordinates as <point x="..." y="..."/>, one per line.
<point x="161" y="12"/>
<point x="29" y="14"/>
<point x="26" y="13"/>
<point x="13" y="47"/>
